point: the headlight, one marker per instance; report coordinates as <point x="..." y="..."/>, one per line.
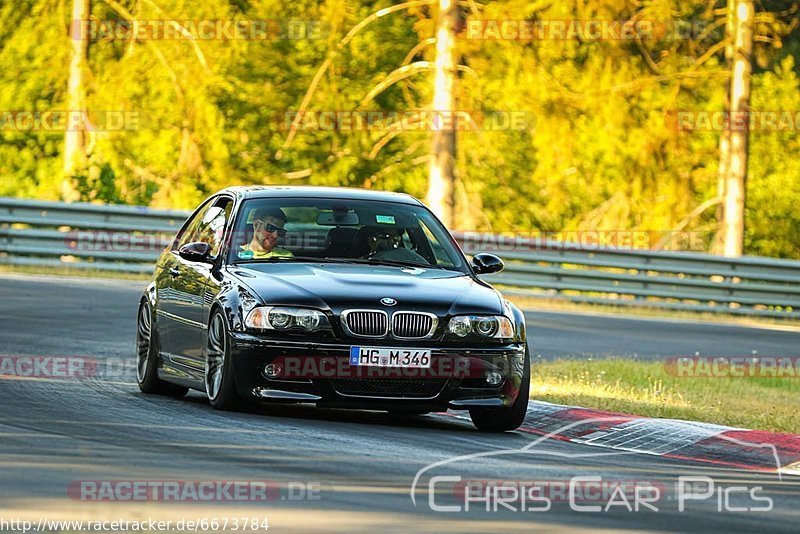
<point x="460" y="326"/>
<point x="488" y="326"/>
<point x="282" y="318"/>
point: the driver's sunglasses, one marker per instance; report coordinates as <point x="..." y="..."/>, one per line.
<point x="269" y="227"/>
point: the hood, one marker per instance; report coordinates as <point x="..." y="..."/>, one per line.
<point x="336" y="287"/>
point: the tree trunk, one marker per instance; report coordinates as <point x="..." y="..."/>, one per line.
<point x="736" y="178"/>
<point x="717" y="246"/>
<point x="441" y="170"/>
<point x="75" y="139"/>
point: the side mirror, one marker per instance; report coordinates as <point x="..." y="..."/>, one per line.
<point x="484" y="263"/>
<point x="198" y="251"/>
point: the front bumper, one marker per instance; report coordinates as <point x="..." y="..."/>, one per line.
<point x="320" y="373"/>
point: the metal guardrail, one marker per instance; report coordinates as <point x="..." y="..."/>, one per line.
<point x="130" y="238"/>
<point x="84" y="236"/>
<point x="749" y="285"/>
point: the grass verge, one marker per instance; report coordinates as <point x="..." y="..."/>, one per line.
<point x="645" y="388"/>
<point x="71" y="271"/>
<point x="566" y="306"/>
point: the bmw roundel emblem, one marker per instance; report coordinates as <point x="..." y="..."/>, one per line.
<point x="388" y="301"/>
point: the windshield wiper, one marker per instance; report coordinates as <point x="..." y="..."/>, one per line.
<point x="360" y="261"/>
<point x="288" y="259"/>
<point x="401" y="263"/>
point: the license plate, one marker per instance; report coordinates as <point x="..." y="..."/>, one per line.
<point x="390" y="357"/>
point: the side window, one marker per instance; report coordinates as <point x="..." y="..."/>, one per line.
<point x="190" y="230"/>
<point x="212" y="226"/>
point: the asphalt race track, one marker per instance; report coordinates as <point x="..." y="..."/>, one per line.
<point x="569" y="336"/>
<point x="333" y="470"/>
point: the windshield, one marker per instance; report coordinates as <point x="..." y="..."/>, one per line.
<point x="351" y="231"/>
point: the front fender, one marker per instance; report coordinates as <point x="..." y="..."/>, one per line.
<point x="235" y="301"/>
<point x="519" y="321"/>
<point x="151" y="294"/>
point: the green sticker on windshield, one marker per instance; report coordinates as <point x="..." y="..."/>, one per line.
<point x="384" y="219"/>
<point x="245" y="255"/>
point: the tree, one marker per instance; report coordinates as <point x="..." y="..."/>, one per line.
<point x="725" y="137"/>
<point x="441" y="170"/>
<point x="75" y="138"/>
<point x="736" y="166"/>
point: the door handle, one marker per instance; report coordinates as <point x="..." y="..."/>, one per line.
<point x="174" y="272"/>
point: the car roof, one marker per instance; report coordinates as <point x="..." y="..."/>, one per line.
<point x="309" y="191"/>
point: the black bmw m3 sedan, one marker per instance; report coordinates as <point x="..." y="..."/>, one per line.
<point x="337" y="297"/>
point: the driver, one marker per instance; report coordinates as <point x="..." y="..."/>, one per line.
<point x="387" y="244"/>
<point x="268" y="226"/>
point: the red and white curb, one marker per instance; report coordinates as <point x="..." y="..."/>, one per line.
<point x="671" y="438"/>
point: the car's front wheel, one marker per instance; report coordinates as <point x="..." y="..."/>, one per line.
<point x="147" y="357"/>
<point x="508" y="417"/>
<point x="219" y="379"/>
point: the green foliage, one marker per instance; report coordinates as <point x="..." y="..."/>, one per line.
<point x="32" y="78"/>
<point x="773" y="188"/>
<point x="599" y="152"/>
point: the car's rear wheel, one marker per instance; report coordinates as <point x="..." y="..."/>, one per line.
<point x="219" y="379"/>
<point x="508" y="417"/>
<point x="147" y="357"/>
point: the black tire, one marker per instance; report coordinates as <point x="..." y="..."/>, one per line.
<point x="510" y="417"/>
<point x="219" y="377"/>
<point x="147" y="355"/>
